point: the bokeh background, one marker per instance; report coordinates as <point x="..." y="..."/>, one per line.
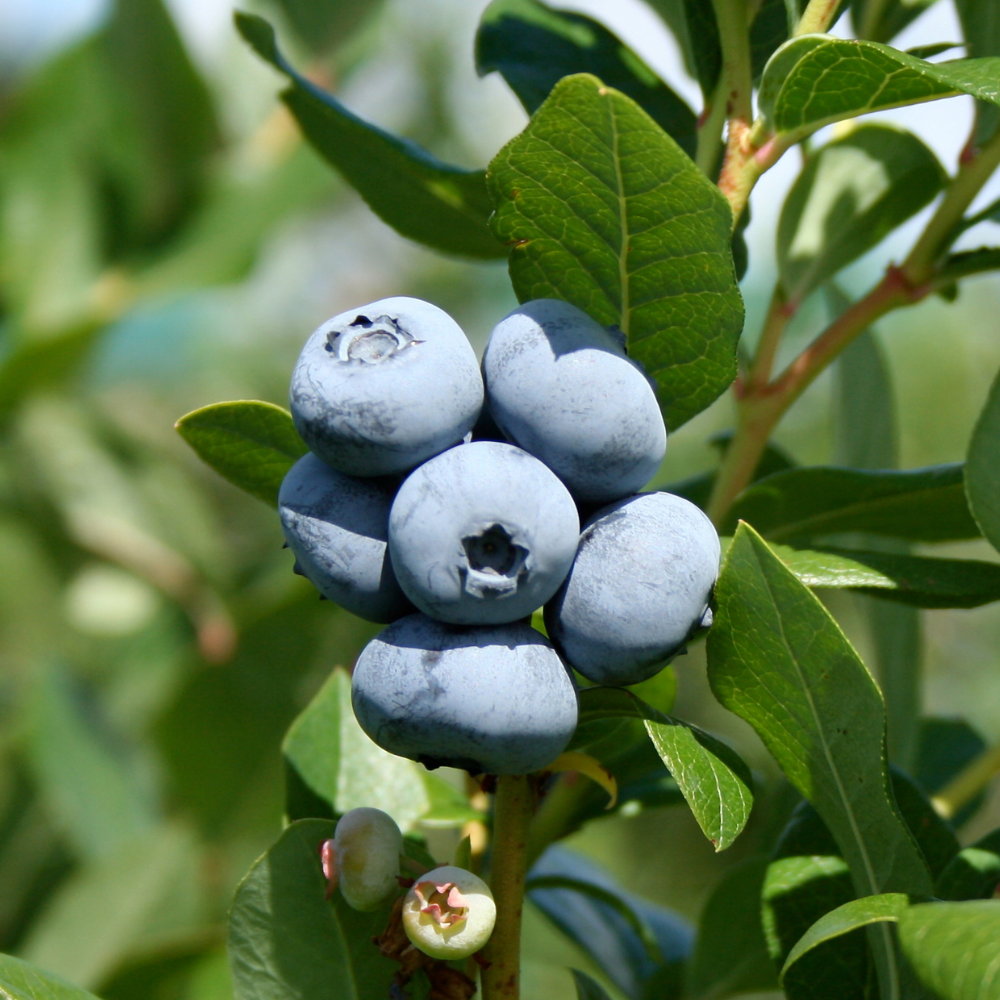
<point x="168" y="241"/>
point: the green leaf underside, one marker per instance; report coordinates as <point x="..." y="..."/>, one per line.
<point x="250" y="443"/>
<point x="780" y="661"/>
<point x="918" y="580"/>
<point x="587" y="988"/>
<point x="23" y="981"/>
<point x="954" y="947"/>
<point x="534" y="47"/>
<point x="422" y="198"/>
<point x="286" y="941"/>
<point x="982" y="477"/>
<point x="601" y="208"/>
<point x="712" y="777"/>
<point x="814" y="80"/>
<point x="857" y="913"/>
<point x="919" y="504"/>
<point x="851" y="194"/>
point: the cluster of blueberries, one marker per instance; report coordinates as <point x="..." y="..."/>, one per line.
<point x="446" y="499"/>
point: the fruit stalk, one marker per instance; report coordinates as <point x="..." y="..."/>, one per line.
<point x="513" y="810"/>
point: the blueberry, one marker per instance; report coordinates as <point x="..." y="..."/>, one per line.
<point x="639" y="587"/>
<point x="379" y="389"/>
<point x="482" y="534"/>
<point x="495" y="700"/>
<point x="560" y="386"/>
<point x="337" y="528"/>
<point x="449" y="913"/>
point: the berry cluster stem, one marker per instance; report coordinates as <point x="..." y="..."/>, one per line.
<point x="513" y="809"/>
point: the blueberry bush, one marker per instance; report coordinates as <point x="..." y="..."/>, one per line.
<point x="507" y="575"/>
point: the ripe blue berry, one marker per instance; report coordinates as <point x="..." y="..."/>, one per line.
<point x="379" y="389"/>
<point x="560" y="386"/>
<point x="337" y="526"/>
<point x="639" y="587"/>
<point x="495" y="700"/>
<point x="482" y="534"/>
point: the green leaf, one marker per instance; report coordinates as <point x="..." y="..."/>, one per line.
<point x="90" y="782"/>
<point x="981" y="31"/>
<point x="944" y="748"/>
<point x="982" y="469"/>
<point x="605" y="896"/>
<point x="967" y="263"/>
<point x="974" y="873"/>
<point x="422" y="198"/>
<point x="329" y="757"/>
<point x="880" y="20"/>
<point x="778" y="660"/>
<point x="23" y="981"/>
<point x="731" y="952"/>
<point x="920" y="581"/>
<point x="713" y="778"/>
<point x="602" y="931"/>
<point x="926" y="505"/>
<point x="954" y="947"/>
<point x="933" y="835"/>
<point x="857" y="913"/>
<point x="603" y="209"/>
<point x="814" y="80"/>
<point x="322" y="25"/>
<point x="534" y="47"/>
<point x="118" y="905"/>
<point x="287" y="942"/>
<point x="851" y="194"/>
<point x="250" y="443"/>
<point x="587" y="988"/>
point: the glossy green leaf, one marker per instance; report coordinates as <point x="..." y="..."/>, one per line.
<point x="954" y="948"/>
<point x="326" y="24"/>
<point x="857" y="913"/>
<point x="880" y="20"/>
<point x="602" y="930"/>
<point x="601" y="208"/>
<point x="982" y="468"/>
<point x="250" y="443"/>
<point x="330" y="759"/>
<point x="926" y="505"/>
<point x="851" y="194"/>
<point x="534" y="46"/>
<point x="814" y="80"/>
<point x="778" y="660"/>
<point x="422" y="198"/>
<point x="287" y="942"/>
<point x="974" y="873"/>
<point x="731" y="955"/>
<point x="920" y="581"/>
<point x="713" y="778"/>
<point x="806" y="879"/>
<point x="980" y="20"/>
<point x="21" y="980"/>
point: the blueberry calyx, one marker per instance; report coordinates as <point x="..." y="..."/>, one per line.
<point x="369" y="341"/>
<point x="495" y="562"/>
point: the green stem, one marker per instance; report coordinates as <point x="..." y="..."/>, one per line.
<point x="968" y="783"/>
<point x="778" y="317"/>
<point x="817" y="17"/>
<point x="935" y="239"/>
<point x="710" y="132"/>
<point x="512" y="813"/>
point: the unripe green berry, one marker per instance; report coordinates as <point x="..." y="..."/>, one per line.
<point x="368" y="844"/>
<point x="449" y="913"/>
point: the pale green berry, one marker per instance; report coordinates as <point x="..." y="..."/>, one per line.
<point x="368" y="844"/>
<point x="449" y="913"/>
